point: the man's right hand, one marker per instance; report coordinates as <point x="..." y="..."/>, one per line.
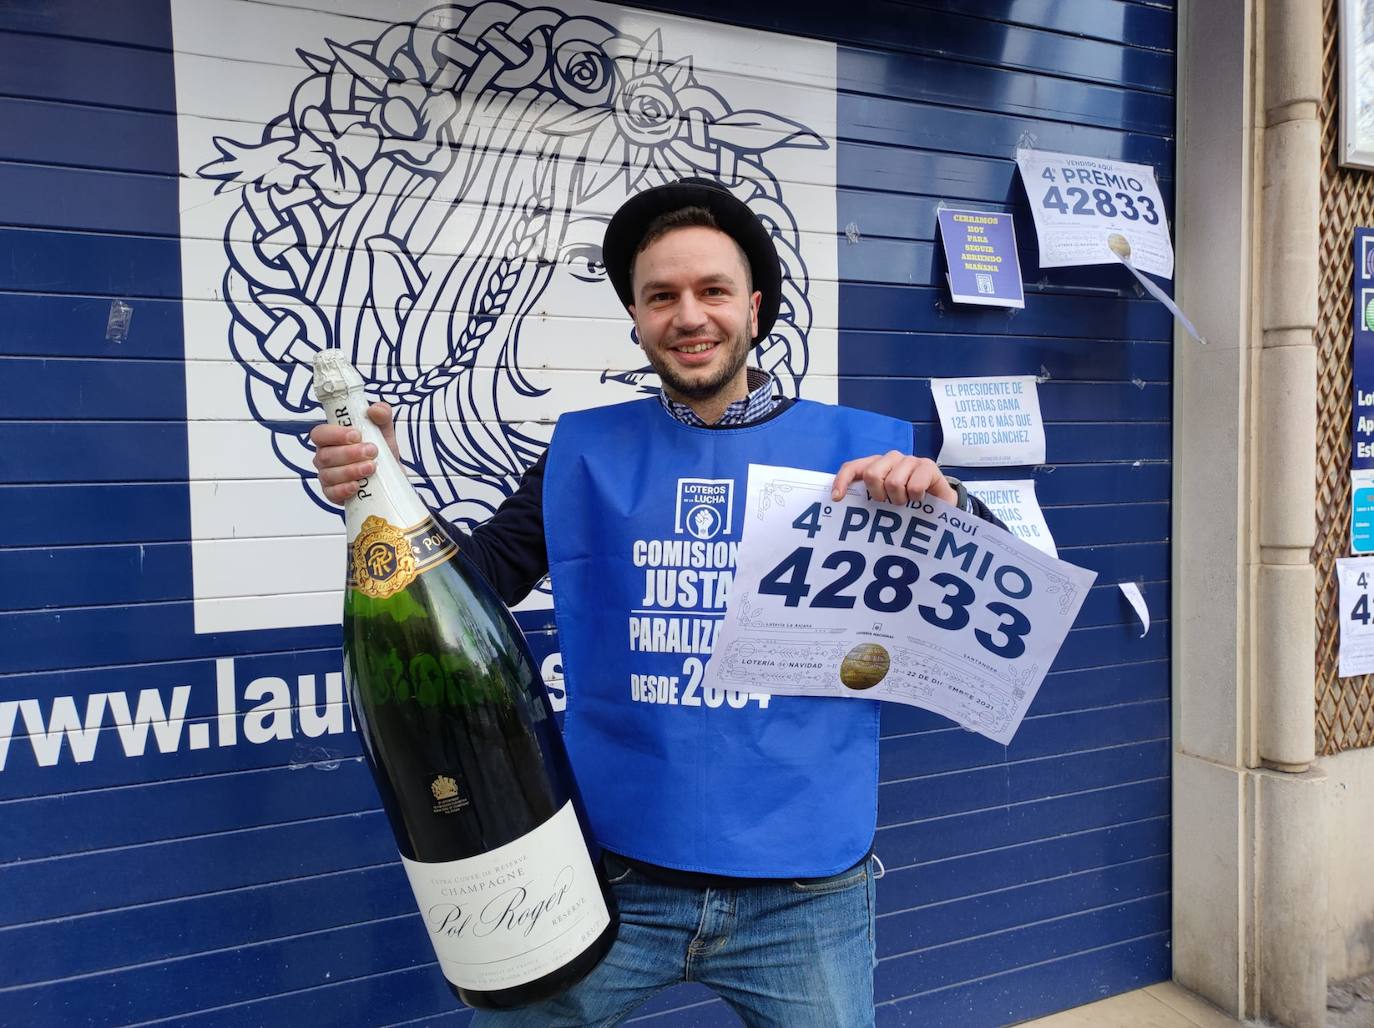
<point x="343" y="459"/>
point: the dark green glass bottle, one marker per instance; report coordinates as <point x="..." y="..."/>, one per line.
<point x="459" y="734"/>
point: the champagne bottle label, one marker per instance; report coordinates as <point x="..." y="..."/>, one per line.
<point x="385" y="559"/>
<point x="515" y="913"/>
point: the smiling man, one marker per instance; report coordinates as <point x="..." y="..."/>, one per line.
<point x="694" y="302"/>
<point x="737" y="829"/>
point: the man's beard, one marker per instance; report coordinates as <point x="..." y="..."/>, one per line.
<point x="705" y="388"/>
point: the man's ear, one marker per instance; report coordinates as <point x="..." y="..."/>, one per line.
<point x="754" y="302"/>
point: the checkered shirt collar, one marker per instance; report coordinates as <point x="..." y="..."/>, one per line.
<point x="763" y="397"/>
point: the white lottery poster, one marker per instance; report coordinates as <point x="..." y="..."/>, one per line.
<point x="989" y="422"/>
<point x="921" y="604"/>
<point x="1356" y="576"/>
<point x="1080" y="202"/>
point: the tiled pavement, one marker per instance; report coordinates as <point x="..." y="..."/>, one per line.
<point x="1159" y="1006"/>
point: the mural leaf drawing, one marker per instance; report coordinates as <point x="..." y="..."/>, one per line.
<point x="432" y="203"/>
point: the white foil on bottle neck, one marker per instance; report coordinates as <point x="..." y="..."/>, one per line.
<point x="386" y="493"/>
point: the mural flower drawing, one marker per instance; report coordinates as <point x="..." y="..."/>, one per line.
<point x="432" y="202"/>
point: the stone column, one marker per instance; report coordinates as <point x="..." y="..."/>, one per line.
<point x="1249" y="838"/>
<point x="1289" y="836"/>
<point x="1287" y="418"/>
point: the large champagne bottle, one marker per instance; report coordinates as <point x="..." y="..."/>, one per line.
<point x="459" y="734"/>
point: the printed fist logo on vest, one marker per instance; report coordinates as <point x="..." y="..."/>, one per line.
<point x="703" y="522"/>
<point x="704" y="507"/>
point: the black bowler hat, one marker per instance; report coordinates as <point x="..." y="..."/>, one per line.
<point x="627" y="227"/>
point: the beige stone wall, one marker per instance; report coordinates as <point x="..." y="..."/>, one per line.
<point x="1345" y="706"/>
<point x="1350" y="863"/>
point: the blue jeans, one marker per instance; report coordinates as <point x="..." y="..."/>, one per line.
<point x="790" y="955"/>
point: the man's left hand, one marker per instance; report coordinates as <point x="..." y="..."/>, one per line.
<point x="895" y="477"/>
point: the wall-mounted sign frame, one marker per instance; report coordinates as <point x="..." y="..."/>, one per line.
<point x="1357" y="83"/>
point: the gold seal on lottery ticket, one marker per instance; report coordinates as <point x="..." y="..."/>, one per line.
<point x="864" y="666"/>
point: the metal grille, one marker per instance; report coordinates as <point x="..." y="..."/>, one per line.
<point x="1345" y="706"/>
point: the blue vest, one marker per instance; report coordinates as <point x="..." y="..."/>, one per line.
<point x="642" y="516"/>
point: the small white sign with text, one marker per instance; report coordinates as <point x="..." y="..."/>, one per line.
<point x="989" y="422"/>
<point x="1016" y="505"/>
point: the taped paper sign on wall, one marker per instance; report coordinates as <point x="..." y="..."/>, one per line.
<point x="989" y="422"/>
<point x="1015" y="503"/>
<point x="1079" y="202"/>
<point x="1091" y="210"/>
<point x="980" y="251"/>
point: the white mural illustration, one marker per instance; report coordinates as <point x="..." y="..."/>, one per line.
<point x="428" y="194"/>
